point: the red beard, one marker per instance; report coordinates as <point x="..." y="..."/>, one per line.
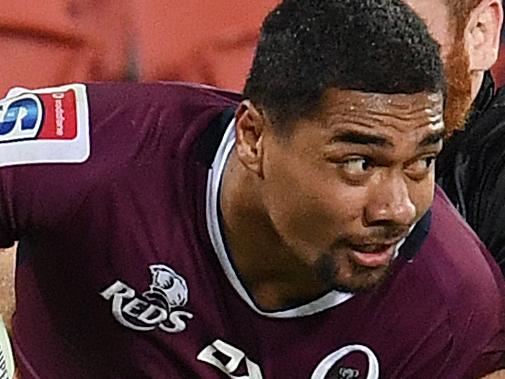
<point x="459" y="88"/>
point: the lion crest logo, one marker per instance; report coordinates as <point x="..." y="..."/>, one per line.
<point x="167" y="287"/>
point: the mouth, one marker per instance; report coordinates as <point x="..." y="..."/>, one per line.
<point x="373" y="255"/>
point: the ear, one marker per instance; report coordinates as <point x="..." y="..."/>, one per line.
<point x="482" y="34"/>
<point x="250" y="127"/>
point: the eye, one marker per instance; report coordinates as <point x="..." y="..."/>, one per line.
<point x="421" y="167"/>
<point x="356" y="165"/>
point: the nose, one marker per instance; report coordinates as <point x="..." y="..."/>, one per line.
<point x="390" y="202"/>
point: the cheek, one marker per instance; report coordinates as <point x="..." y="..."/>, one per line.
<point x="308" y="203"/>
<point x="422" y="194"/>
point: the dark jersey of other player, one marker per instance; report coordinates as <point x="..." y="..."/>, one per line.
<point x="123" y="271"/>
<point x="471" y="169"/>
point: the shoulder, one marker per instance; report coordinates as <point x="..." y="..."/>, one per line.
<point x="170" y="94"/>
<point x="67" y="124"/>
<point x="106" y="96"/>
<point x="460" y="268"/>
<point x="455" y="271"/>
<point x="486" y="134"/>
<point x="141" y="115"/>
<point x="454" y="250"/>
<point x="486" y="144"/>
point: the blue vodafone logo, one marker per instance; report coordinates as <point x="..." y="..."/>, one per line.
<point x="20" y="118"/>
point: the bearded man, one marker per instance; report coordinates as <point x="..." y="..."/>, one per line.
<point x="471" y="168"/>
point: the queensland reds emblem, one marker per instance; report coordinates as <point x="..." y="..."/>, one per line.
<point x="160" y="306"/>
<point x="348" y="362"/>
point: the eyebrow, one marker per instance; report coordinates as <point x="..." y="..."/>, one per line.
<point x="361" y="139"/>
<point x="432" y="139"/>
<point x="369" y="139"/>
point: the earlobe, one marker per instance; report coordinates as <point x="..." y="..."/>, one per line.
<point x="483" y="34"/>
<point x="249" y="128"/>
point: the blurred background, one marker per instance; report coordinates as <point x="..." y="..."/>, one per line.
<point x="94" y="40"/>
<point x="58" y="41"/>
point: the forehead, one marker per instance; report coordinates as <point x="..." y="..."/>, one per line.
<point x="402" y="110"/>
<point x="436" y="15"/>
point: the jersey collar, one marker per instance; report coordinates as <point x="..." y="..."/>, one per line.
<point x="406" y="248"/>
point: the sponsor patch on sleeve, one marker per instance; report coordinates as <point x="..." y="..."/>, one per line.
<point x="49" y="125"/>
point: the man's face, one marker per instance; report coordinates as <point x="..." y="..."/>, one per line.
<point x="345" y="187"/>
<point x="445" y="30"/>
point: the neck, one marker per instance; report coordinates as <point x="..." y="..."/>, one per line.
<point x="269" y="270"/>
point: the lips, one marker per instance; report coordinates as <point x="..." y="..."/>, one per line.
<point x="373" y="255"/>
<point x="372" y="249"/>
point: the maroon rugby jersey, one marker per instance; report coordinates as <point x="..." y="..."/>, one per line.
<point x="122" y="272"/>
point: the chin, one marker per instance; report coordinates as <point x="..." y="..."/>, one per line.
<point x="345" y="275"/>
<point x="361" y="279"/>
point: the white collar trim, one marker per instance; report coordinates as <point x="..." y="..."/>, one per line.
<point x="327" y="301"/>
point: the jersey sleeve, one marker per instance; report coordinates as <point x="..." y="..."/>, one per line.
<point x="468" y="350"/>
<point x="487" y="326"/>
<point x="42" y="133"/>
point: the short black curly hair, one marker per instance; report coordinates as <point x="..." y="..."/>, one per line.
<point x="309" y="46"/>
